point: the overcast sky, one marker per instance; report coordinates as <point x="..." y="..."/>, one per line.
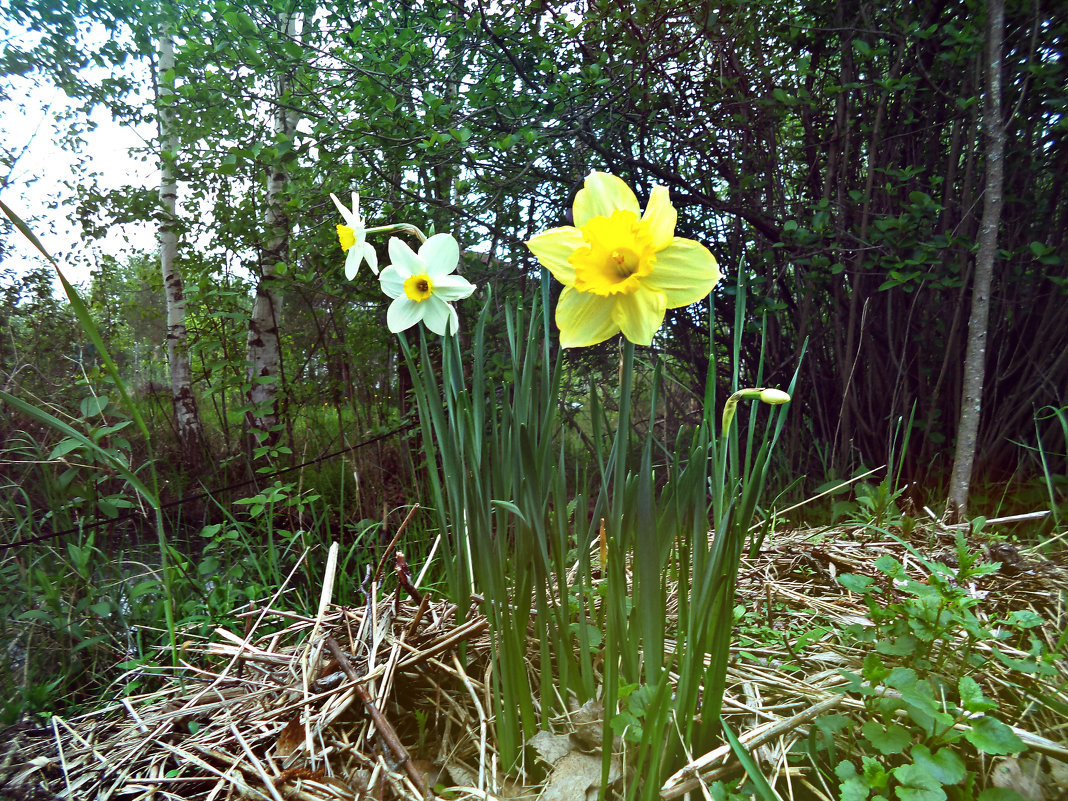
<point x="30" y="126"/>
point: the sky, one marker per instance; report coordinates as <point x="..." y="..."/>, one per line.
<point x="31" y="126"/>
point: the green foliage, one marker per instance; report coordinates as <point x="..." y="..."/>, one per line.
<point x="877" y="505"/>
<point x="844" y="180"/>
<point x="498" y="464"/>
<point x="926" y="716"/>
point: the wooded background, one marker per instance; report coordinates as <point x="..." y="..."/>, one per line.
<point x="832" y="152"/>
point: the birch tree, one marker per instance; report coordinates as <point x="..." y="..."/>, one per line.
<point x="975" y="355"/>
<point x="186" y="416"/>
<point x="264" y="355"/>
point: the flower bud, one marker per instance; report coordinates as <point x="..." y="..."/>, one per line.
<point x="774" y="397"/>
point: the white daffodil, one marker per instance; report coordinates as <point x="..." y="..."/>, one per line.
<point x="353" y="238"/>
<point x="422" y="285"/>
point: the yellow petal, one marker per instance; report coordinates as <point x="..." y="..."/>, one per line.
<point x="554" y="247"/>
<point x="685" y="271"/>
<point x="600" y="196"/>
<point x="640" y="314"/>
<point x="661" y="217"/>
<point x="584" y="319"/>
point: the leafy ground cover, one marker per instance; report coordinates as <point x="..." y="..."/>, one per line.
<point x="864" y="666"/>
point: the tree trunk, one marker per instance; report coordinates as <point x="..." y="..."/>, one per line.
<point x="975" y="356"/>
<point x="264" y="356"/>
<point x="186" y="417"/>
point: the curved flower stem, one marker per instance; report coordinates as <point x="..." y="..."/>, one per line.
<point x="399" y="228"/>
<point x="773" y="397"/>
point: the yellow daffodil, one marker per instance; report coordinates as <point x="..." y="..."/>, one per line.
<point x="422" y="285"/>
<point x="621" y="269"/>
<point x="353" y="237"/>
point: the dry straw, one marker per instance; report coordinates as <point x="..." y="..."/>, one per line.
<point x="381" y="701"/>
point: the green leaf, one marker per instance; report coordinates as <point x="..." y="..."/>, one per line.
<point x="920" y="793"/>
<point x="511" y="507"/>
<point x="991" y="736"/>
<point x="856" y="583"/>
<point x="853" y="789"/>
<point x="90" y="642"/>
<point x="875" y="775"/>
<point x="917" y="777"/>
<point x="763" y="789"/>
<point x="899" y="646"/>
<point x="832" y="724"/>
<point x="40" y="614"/>
<point x="143" y="588"/>
<point x="889" y="565"/>
<point x="914" y="692"/>
<point x="63" y="447"/>
<point x="944" y="765"/>
<point x="1025" y="618"/>
<point x="888" y="739"/>
<point x="971" y="696"/>
<point x="1000" y="794"/>
<point x="93" y="405"/>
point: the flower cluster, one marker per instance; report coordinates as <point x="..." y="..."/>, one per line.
<point x="622" y="269"/>
<point x="421" y="284"/>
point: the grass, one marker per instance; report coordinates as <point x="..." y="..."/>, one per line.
<point x="84" y="623"/>
<point x="84" y="620"/>
<point x="828" y="696"/>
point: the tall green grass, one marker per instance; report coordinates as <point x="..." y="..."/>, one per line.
<point x="521" y="528"/>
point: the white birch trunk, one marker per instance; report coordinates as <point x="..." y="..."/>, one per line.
<point x="186" y="417"/>
<point x="975" y="355"/>
<point x="264" y="357"/>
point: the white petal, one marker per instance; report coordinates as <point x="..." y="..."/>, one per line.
<point x="371" y="256"/>
<point x="452" y="287"/>
<point x="352" y="262"/>
<point x="403" y="313"/>
<point x="351" y="220"/>
<point x="404" y="258"/>
<point x="392" y="281"/>
<point x="439" y="316"/>
<point x="441" y="253"/>
<point x="454" y="321"/>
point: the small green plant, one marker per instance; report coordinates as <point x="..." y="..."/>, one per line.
<point x="499" y="476"/>
<point x="877" y="504"/>
<point x="925" y="713"/>
<point x="919" y="727"/>
<point x="930" y="624"/>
